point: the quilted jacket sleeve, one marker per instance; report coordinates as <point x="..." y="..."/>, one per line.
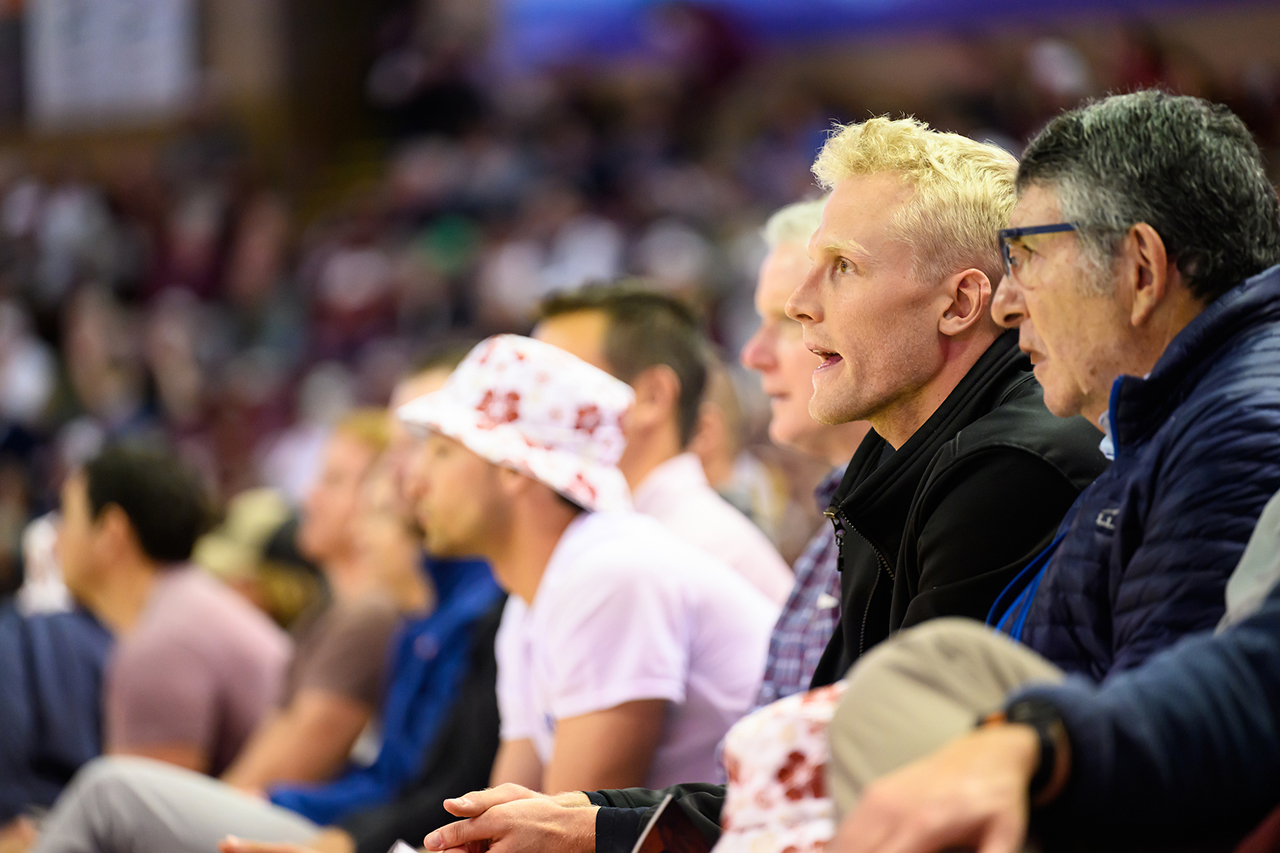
<point x="1197" y="506"/>
<point x="1188" y="742"/>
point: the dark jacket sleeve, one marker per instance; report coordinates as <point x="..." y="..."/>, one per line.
<point x="459" y="761"/>
<point x="981" y="519"/>
<point x="1188" y="742"/>
<point x="1199" y="506"/>
<point x="624" y="813"/>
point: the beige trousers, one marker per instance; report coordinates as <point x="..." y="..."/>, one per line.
<point x="917" y="691"/>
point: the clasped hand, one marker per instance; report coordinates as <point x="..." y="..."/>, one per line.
<point x="514" y="819"/>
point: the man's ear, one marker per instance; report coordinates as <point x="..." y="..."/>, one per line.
<point x="1146" y="270"/>
<point x="116" y="538"/>
<point x="657" y="396"/>
<point x="970" y="302"/>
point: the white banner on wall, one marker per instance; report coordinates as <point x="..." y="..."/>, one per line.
<point x="109" y="62"/>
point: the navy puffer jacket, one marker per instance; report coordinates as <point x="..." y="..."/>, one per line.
<point x="1149" y="546"/>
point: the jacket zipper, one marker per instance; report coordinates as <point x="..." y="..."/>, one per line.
<point x="841" y="522"/>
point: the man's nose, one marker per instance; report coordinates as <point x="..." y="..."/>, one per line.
<point x="1008" y="308"/>
<point x="803" y="304"/>
<point x="755" y="353"/>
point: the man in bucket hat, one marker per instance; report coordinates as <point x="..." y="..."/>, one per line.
<point x="624" y="653"/>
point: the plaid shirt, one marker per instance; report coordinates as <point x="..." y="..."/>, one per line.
<point x="809" y="617"/>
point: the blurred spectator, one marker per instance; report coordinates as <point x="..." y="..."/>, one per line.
<point x="777" y="353"/>
<point x="253" y="551"/>
<point x="333" y="686"/>
<point x="652" y="343"/>
<point x="42" y="590"/>
<point x="51" y="669"/>
<point x="196" y="665"/>
<point x="734" y="472"/>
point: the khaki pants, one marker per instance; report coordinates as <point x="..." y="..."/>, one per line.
<point x="919" y="690"/>
<point x="134" y="805"/>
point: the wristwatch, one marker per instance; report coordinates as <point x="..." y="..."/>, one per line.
<point x="1043" y="716"/>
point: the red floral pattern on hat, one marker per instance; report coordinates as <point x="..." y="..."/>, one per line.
<point x="775" y="759"/>
<point x="589" y="419"/>
<point x="498" y="409"/>
<point x="532" y="407"/>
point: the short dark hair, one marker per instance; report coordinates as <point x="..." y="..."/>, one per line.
<point x="1188" y="168"/>
<point x="645" y="329"/>
<point x="161" y="497"/>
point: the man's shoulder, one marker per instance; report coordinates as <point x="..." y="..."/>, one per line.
<point x="1021" y="425"/>
<point x="365" y="621"/>
<point x="619" y="549"/>
<point x="196" y="616"/>
<point x="1244" y="373"/>
<point x="696" y="506"/>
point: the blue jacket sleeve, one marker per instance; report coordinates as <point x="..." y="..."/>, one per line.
<point x="1199" y="504"/>
<point x="1189" y="742"/>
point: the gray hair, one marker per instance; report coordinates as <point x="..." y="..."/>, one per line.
<point x="1189" y="169"/>
<point x="794" y="224"/>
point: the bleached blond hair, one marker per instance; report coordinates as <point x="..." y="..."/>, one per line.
<point x="963" y="190"/>
<point x="794" y="224"/>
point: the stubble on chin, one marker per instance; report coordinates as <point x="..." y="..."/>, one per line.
<point x="828" y="412"/>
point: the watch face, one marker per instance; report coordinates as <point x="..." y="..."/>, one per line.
<point x="1042" y="716"/>
<point x="1032" y="711"/>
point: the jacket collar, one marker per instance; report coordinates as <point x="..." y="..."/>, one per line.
<point x="455" y="577"/>
<point x="826" y="490"/>
<point x="1140" y="405"/>
<point x="875" y="498"/>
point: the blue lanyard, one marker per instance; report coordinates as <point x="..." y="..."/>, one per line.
<point x="1013" y="616"/>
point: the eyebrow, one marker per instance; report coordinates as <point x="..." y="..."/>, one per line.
<point x="843" y="247"/>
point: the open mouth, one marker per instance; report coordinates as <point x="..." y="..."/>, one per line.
<point x="829" y="359"/>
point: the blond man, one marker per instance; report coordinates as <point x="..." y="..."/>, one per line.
<point x="968" y="474"/>
<point x="965" y="476"/>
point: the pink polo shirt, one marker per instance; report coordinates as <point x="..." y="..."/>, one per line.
<point x="200" y="668"/>
<point x="678" y="495"/>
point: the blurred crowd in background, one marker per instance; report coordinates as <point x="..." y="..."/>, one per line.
<point x="184" y="290"/>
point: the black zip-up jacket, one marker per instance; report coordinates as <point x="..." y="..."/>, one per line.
<point x="938" y="528"/>
<point x="948" y="520"/>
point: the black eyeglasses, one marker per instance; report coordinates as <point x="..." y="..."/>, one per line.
<point x="1008" y="235"/>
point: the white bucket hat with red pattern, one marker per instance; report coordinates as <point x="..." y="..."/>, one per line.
<point x="536" y="409"/>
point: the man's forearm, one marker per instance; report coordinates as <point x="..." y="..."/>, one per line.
<point x="1185" y="741"/>
<point x="573" y="799"/>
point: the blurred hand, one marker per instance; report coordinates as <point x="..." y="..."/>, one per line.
<point x="514" y="819"/>
<point x="331" y="840"/>
<point x="18" y="836"/>
<point x="970" y="794"/>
